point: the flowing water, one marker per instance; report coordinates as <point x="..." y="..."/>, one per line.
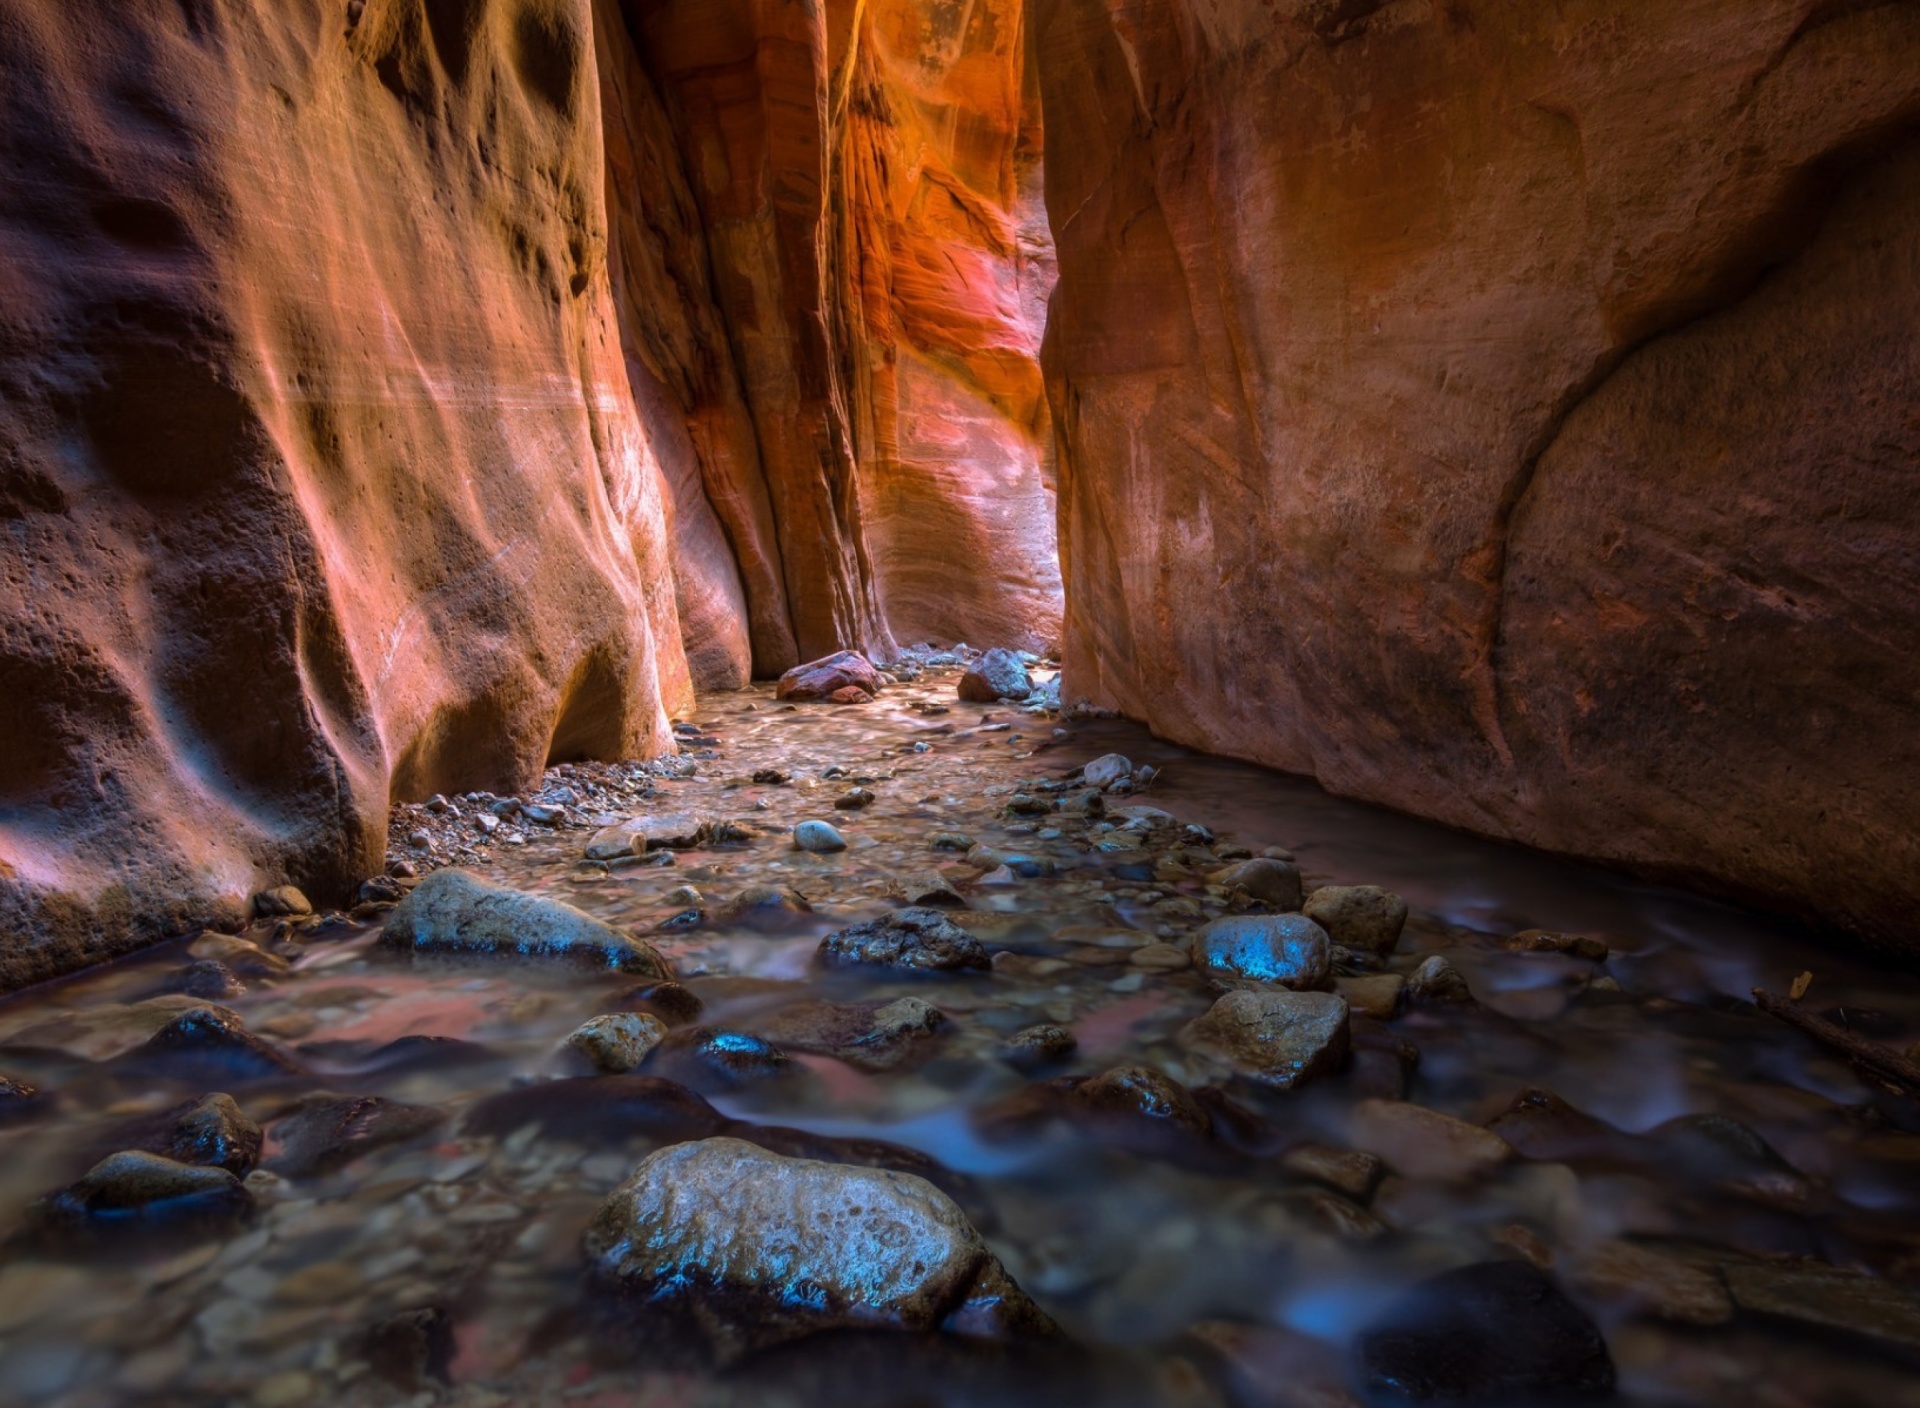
<point x="1212" y="1272"/>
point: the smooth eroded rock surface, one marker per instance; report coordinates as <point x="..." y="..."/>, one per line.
<point x="327" y="436"/>
<point x="1558" y="486"/>
<point x="753" y="1249"/>
<point x="451" y="913"/>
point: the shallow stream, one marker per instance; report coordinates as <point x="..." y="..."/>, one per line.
<point x="1765" y="1257"/>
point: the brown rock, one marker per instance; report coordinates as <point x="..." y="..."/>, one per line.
<point x="1655" y="1284"/>
<point x="1352" y="1172"/>
<point x="822" y="678"/>
<point x="1277" y="1038"/>
<point x="1376" y="995"/>
<point x="1571" y="504"/>
<point x="1545" y="941"/>
<point x="720" y="1232"/>
<point x="1423" y="1143"/>
<point x="1365" y="918"/>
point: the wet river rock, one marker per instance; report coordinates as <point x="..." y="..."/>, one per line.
<point x="453" y="913"/>
<point x="1364" y="918"/>
<point x="1280" y="1039"/>
<point x="213" y="1131"/>
<point x="751" y="1249"/>
<point x="873" y="1036"/>
<point x="1287" y="950"/>
<point x="917" y="939"/>
<point x="619" y="1041"/>
<point x="209" y="1043"/>
<point x="822" y="679"/>
<point x="1272" y="882"/>
<point x="329" y="1132"/>
<point x="1499" y="1332"/>
<point x="136" y="1188"/>
<point x="996" y="675"/>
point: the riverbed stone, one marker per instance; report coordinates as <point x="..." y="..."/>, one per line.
<point x="213" y="1131"/>
<point x="1035" y="1047"/>
<point x="871" y="1036"/>
<point x="330" y="1131"/>
<point x="1495" y="1332"/>
<point x="1272" y="882"/>
<point x="1826" y="1297"/>
<point x="137" y="1186"/>
<point x="818" y="837"/>
<point x="1106" y="770"/>
<point x="672" y="1003"/>
<point x="282" y="902"/>
<point x="1364" y="918"/>
<point x="1423" y="1143"/>
<point x="996" y="675"/>
<point x="1350" y="1171"/>
<point x="619" y="1041"/>
<point x="211" y="1043"/>
<point x="454" y="914"/>
<point x="1376" y="995"/>
<point x="1436" y="981"/>
<point x="918" y="939"/>
<point x="751" y="1249"/>
<point x="639" y="835"/>
<point x="1583" y="946"/>
<point x="1648" y="1282"/>
<point x="823" y="678"/>
<point x="1281" y="1039"/>
<point x="1286" y="950"/>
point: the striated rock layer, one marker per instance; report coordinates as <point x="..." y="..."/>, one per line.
<point x="321" y="476"/>
<point x="1505" y="412"/>
<point x="868" y="178"/>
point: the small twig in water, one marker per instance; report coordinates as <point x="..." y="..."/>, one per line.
<point x="1883" y="1064"/>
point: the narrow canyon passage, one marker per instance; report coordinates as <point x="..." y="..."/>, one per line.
<point x="1166" y="702"/>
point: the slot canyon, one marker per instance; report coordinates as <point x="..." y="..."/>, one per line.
<point x="1204" y="703"/>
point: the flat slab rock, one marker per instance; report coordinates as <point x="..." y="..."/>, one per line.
<point x="457" y="914"/>
<point x="639" y="834"/>
<point x="752" y="1249"/>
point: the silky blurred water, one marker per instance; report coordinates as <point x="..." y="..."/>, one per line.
<point x="1130" y="1253"/>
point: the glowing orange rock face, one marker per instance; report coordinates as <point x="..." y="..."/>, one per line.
<point x="320" y="472"/>
<point x="869" y="179"/>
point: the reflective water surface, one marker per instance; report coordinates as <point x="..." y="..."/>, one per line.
<point x="1764" y="1256"/>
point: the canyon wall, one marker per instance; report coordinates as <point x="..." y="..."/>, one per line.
<point x="321" y="475"/>
<point x="1506" y="412"/>
<point x="867" y="173"/>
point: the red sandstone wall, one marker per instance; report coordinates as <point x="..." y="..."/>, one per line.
<point x="867" y="176"/>
<point x="320" y="473"/>
<point x="1505" y="412"/>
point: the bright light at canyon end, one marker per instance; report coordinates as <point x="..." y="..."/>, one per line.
<point x="1139" y="703"/>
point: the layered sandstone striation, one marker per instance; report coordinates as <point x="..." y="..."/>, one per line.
<point x="321" y="478"/>
<point x="868" y="177"/>
<point x="1505" y="412"/>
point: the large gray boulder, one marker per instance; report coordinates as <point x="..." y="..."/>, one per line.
<point x="454" y="913"/>
<point x="752" y="1249"/>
